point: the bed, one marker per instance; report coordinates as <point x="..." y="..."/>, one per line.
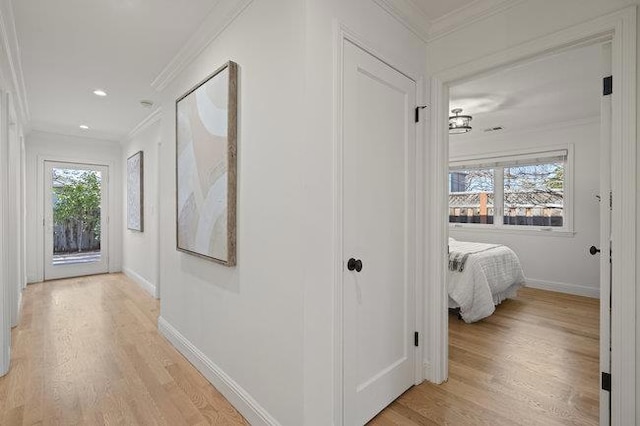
<point x="481" y="276"/>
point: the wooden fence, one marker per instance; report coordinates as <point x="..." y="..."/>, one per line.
<point x="535" y="208"/>
<point x="70" y="238"/>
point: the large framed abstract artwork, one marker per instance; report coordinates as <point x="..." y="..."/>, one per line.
<point x="135" y="192"/>
<point x="206" y="133"/>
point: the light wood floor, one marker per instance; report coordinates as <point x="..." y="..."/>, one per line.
<point x="533" y="362"/>
<point x="87" y="352"/>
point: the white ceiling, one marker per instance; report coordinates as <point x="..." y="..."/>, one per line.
<point x="555" y="89"/>
<point x="71" y="47"/>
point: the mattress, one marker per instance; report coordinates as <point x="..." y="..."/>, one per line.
<point x="490" y="274"/>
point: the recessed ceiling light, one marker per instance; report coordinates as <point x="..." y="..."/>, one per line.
<point x="84" y="127"/>
<point x="99" y="92"/>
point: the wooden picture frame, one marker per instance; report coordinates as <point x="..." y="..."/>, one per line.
<point x="206" y="171"/>
<point x="135" y="192"/>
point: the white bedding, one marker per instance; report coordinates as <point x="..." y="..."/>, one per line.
<point x="491" y="274"/>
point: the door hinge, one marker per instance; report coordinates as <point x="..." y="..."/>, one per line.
<point x="418" y="108"/>
<point x="607" y="85"/>
<point x="610" y="200"/>
<point x="606" y="381"/>
<point x="416" y="339"/>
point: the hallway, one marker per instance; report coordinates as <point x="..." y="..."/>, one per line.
<point x="87" y="351"/>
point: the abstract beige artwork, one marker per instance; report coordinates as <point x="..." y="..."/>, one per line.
<point x="206" y="167"/>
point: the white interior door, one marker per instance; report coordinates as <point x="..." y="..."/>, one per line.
<point x="75" y="220"/>
<point x="378" y="223"/>
<point x="605" y="238"/>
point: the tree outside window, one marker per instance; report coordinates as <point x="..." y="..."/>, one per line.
<point x="532" y="192"/>
<point x="76" y="210"/>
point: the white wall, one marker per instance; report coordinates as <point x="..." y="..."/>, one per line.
<point x="13" y="116"/>
<point x="42" y="146"/>
<point x="245" y="323"/>
<point x="264" y="329"/>
<point x="560" y="263"/>
<point x="10" y="243"/>
<point x="525" y="21"/>
<point x="140" y="249"/>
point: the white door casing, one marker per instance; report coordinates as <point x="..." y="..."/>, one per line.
<point x="5" y="288"/>
<point x="101" y="266"/>
<point x="13" y="215"/>
<point x="605" y="237"/>
<point x="378" y="171"/>
<point x="620" y="28"/>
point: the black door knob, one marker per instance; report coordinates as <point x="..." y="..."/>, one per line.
<point x="593" y="250"/>
<point x="353" y="264"/>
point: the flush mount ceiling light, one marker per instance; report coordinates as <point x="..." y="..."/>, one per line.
<point x="459" y="123"/>
<point x="100" y="92"/>
<point x="84" y="127"/>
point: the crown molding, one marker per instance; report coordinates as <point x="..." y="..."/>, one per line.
<point x="52" y="130"/>
<point x="14" y="61"/>
<point x="467" y="15"/>
<point x="408" y="14"/>
<point x="155" y="116"/>
<point x="220" y="17"/>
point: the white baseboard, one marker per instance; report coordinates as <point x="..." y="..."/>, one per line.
<point x="142" y="282"/>
<point x="426" y="371"/>
<point x="578" y="290"/>
<point x="19" y="315"/>
<point x="252" y="411"/>
<point x="33" y="279"/>
<point x="5" y="355"/>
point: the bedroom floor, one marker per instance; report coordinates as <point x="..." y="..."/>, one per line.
<point x="533" y="362"/>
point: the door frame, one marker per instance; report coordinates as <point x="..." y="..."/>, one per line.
<point x="14" y="237"/>
<point x="81" y="269"/>
<point x="605" y="230"/>
<point x="620" y="29"/>
<point x="40" y="212"/>
<point x="5" y="290"/>
<point x="343" y="34"/>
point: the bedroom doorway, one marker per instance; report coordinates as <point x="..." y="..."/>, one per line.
<point x="529" y="188"/>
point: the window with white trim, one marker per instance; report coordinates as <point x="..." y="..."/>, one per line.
<point x="523" y="191"/>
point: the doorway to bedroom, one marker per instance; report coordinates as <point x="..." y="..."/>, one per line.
<point x="529" y="227"/>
